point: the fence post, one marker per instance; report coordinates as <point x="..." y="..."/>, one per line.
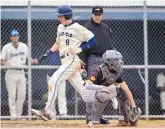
<point x="29" y="61"/>
<point x="146" y="58"/>
<point x="76" y="103"/>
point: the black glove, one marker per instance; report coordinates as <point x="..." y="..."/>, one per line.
<point x="84" y="75"/>
<point x="47" y="53"/>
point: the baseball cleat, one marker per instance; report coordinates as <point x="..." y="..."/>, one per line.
<point x="104" y="121"/>
<point x="93" y="123"/>
<point x="41" y="113"/>
<point x="122" y="123"/>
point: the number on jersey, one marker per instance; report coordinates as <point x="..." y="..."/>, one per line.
<point x="67" y="42"/>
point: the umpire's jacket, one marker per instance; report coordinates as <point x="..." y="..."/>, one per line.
<point x="103" y="35"/>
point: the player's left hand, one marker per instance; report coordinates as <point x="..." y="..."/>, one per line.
<point x="82" y="64"/>
<point x="75" y="50"/>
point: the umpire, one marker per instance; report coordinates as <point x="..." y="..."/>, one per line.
<point x="103" y="37"/>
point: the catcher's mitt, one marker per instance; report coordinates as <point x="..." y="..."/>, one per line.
<point x="134" y="116"/>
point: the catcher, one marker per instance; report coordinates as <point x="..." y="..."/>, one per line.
<point x="106" y="83"/>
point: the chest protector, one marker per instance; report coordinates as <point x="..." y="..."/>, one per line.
<point x="109" y="77"/>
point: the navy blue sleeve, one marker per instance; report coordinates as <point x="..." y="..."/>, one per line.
<point x="89" y="44"/>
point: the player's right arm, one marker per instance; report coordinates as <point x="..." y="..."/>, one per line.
<point x="52" y="50"/>
<point x="125" y="88"/>
<point x="4" y="56"/>
<point x="49" y="52"/>
<point x="55" y="47"/>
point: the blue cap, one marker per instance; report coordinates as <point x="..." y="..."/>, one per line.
<point x="14" y="32"/>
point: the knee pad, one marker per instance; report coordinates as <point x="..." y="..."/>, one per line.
<point x="102" y="96"/>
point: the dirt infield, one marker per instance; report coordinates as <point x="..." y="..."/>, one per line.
<point x="77" y="124"/>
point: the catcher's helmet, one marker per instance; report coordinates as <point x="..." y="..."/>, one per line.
<point x="114" y="60"/>
<point x="65" y="10"/>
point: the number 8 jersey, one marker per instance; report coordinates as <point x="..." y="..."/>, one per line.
<point x="71" y="36"/>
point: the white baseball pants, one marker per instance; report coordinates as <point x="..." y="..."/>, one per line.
<point x="69" y="70"/>
<point x="62" y="101"/>
<point x="16" y="86"/>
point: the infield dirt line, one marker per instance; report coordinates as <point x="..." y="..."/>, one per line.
<point x="76" y="128"/>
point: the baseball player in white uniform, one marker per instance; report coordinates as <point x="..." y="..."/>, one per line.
<point x="13" y="54"/>
<point x="161" y="85"/>
<point x="70" y="35"/>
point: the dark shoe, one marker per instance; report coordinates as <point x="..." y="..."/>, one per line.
<point x="104" y="121"/>
<point x="122" y="123"/>
<point x="87" y="121"/>
<point x="43" y="114"/>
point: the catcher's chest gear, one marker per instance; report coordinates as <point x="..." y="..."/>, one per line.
<point x="110" y="78"/>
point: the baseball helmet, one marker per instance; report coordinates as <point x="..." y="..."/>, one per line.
<point x="14" y="32"/>
<point x="65" y="10"/>
<point x="114" y="60"/>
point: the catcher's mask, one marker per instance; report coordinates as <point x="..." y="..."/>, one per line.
<point x="114" y="60"/>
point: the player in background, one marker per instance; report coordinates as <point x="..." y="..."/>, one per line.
<point x="105" y="83"/>
<point x="15" y="54"/>
<point x="70" y="35"/>
<point x="161" y="86"/>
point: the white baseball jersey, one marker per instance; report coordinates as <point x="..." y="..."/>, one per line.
<point x="15" y="56"/>
<point x="71" y="37"/>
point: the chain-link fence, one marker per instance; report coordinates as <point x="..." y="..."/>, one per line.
<point x="128" y="27"/>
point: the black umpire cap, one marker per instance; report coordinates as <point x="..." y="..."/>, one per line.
<point x="97" y="10"/>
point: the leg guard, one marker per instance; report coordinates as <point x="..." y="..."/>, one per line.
<point x="97" y="110"/>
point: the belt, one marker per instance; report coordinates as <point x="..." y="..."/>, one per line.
<point x="63" y="56"/>
<point x="17" y="69"/>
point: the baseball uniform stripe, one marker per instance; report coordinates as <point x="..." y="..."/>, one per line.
<point x="58" y="79"/>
